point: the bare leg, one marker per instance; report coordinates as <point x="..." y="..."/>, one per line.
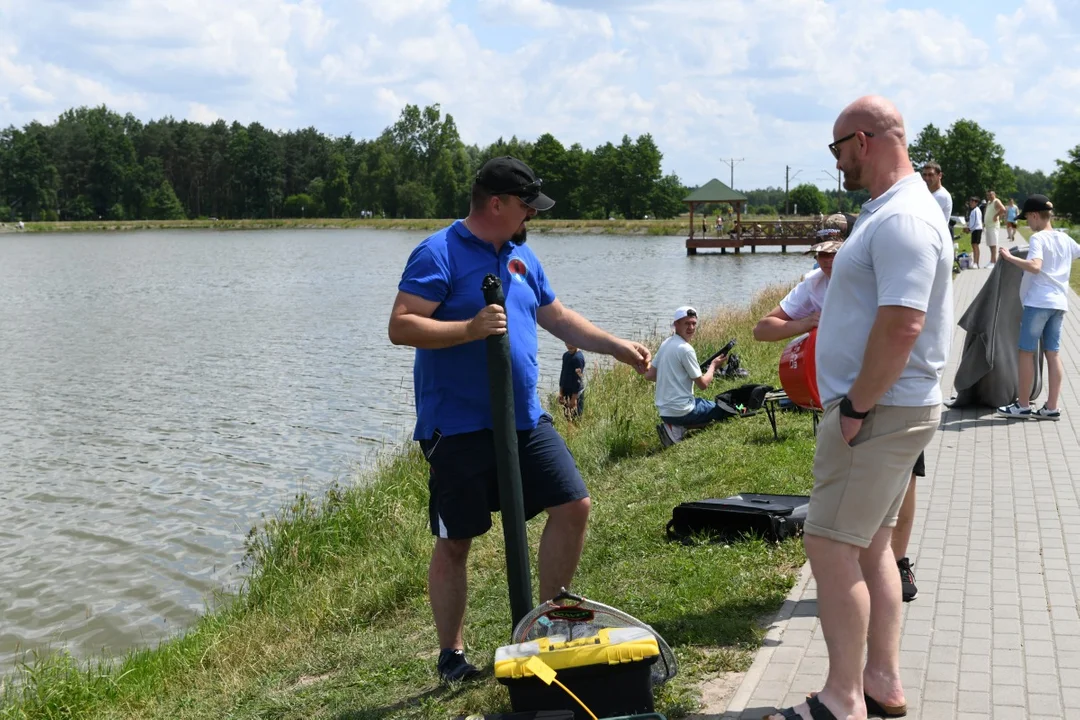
<point x="975" y="254"/>
<point x="1026" y="374"/>
<point x="448" y="590"/>
<point x="1055" y="371"/>
<point x="844" y="609"/>
<point x="901" y="535"/>
<point x="882" y="673"/>
<point x="561" y="545"/>
<point x="993" y="254"/>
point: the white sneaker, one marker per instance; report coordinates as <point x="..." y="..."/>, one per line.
<point x="1013" y="411"/>
<point x="1045" y="413"/>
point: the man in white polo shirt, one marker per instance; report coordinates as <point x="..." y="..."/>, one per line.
<point x="883" y="341"/>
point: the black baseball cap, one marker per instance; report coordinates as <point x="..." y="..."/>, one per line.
<point x="509" y="176"/>
<point x="1036" y="203"/>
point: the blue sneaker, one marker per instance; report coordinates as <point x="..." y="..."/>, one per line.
<point x="1013" y="411"/>
<point x="453" y="667"/>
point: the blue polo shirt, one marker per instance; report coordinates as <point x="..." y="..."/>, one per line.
<point x="451" y="385"/>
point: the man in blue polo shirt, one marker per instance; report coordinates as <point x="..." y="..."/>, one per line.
<point x="440" y="311"/>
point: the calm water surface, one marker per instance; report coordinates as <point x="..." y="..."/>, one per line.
<point x="160" y="391"/>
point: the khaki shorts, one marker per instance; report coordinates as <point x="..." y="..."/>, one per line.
<point x="858" y="488"/>
<point x="990" y="235"/>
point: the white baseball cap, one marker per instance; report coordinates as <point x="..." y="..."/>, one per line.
<point x="684" y="311"/>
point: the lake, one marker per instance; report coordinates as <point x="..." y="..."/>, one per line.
<point x="161" y="391"/>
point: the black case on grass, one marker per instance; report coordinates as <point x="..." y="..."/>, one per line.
<point x="774" y="517"/>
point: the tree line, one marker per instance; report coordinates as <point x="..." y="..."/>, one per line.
<point x="93" y="163"/>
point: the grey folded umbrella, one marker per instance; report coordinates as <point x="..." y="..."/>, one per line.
<point x="987" y="372"/>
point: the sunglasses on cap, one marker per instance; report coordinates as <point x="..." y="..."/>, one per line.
<point x="527" y="190"/>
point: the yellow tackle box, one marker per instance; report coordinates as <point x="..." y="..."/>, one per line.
<point x="610" y="672"/>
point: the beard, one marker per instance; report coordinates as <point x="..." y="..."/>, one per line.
<point x="521" y="236"/>
<point x="852" y="179"/>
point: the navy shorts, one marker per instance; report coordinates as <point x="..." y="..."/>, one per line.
<point x="464" y="486"/>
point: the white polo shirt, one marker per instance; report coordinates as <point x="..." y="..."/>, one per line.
<point x="899" y="254"/>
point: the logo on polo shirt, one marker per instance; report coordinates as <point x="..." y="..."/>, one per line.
<point x="518" y="270"/>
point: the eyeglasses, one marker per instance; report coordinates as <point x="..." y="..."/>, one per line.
<point x="833" y="146"/>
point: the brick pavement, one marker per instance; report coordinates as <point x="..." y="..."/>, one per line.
<point x="995" y="632"/>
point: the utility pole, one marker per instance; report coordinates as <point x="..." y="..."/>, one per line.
<point x="787" y="185"/>
<point x="838" y="177"/>
<point x="731" y="162"/>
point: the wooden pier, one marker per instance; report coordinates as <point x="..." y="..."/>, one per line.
<point x="773" y="233"/>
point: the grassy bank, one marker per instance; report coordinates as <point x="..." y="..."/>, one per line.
<point x="333" y="621"/>
<point x="611" y="227"/>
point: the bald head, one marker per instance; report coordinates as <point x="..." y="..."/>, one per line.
<point x="874" y="114"/>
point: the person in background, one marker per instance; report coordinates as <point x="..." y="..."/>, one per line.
<point x="1044" y="292"/>
<point x="1011" y="212"/>
<point x="572" y="382"/>
<point x="676" y="371"/>
<point x="931" y="173"/>
<point x="799" y="310"/>
<point x="995" y="212"/>
<point x="975" y="227"/>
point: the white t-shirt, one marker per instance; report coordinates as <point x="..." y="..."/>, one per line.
<point x="975" y="219"/>
<point x="1049" y="288"/>
<point x="899" y="254"/>
<point x="944" y="199"/>
<point x="806" y="298"/>
<point x="676" y="369"/>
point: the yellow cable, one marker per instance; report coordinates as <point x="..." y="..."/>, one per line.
<point x="578" y="700"/>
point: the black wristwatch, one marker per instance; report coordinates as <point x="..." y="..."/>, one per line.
<point x="848" y="410"/>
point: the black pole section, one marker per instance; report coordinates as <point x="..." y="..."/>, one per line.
<point x="500" y="380"/>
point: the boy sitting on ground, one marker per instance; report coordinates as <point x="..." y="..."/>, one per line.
<point x="675" y="371"/>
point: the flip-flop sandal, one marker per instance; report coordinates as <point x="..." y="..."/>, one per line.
<point x="873" y="707"/>
<point x="818" y="711"/>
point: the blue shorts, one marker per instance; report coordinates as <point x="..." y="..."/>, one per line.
<point x="463" y="483"/>
<point x="704" y="412"/>
<point x="1041" y="323"/>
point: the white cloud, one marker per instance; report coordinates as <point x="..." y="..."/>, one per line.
<point x="197" y="112"/>
<point x="758" y="79"/>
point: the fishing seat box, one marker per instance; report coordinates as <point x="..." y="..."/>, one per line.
<point x="611" y="672"/>
<point x="773" y="517"/>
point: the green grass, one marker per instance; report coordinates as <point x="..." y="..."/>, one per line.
<point x="333" y="620"/>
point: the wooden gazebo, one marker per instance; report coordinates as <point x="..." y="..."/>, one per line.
<point x="712" y="193"/>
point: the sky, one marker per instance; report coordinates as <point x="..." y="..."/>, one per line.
<point x="759" y="81"/>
